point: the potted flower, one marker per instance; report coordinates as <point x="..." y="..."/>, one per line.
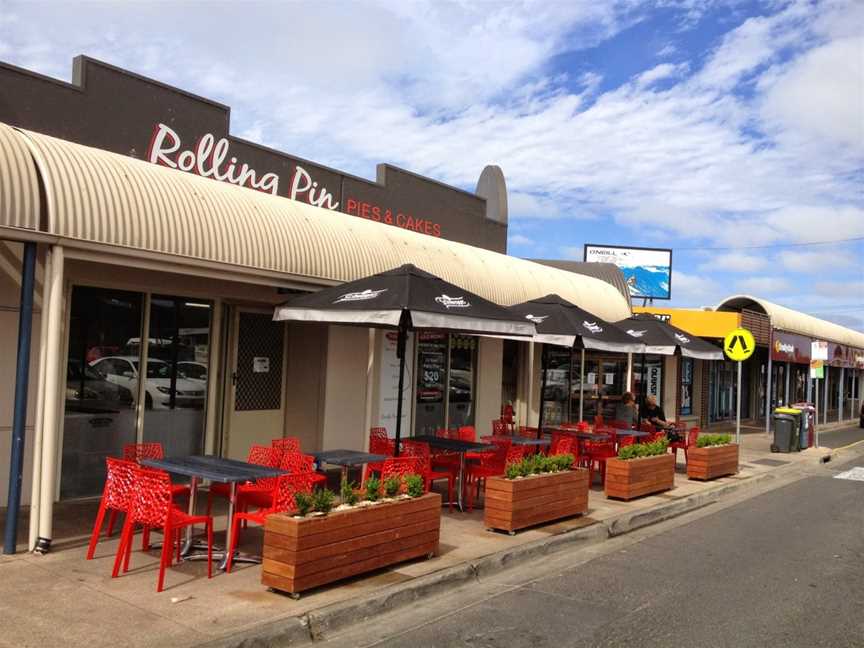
<point x="640" y="469"/>
<point x="373" y="527"/>
<point x="714" y="455"/>
<point x="535" y="490"/>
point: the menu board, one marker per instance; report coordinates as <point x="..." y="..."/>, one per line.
<point x="388" y="382"/>
<point x="431" y="366"/>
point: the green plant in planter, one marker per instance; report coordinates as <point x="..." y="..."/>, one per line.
<point x="323" y="500"/>
<point x="414" y="485"/>
<point x="513" y="470"/>
<point x="391" y="486"/>
<point x="373" y="489"/>
<point x="643" y="449"/>
<point x="705" y="440"/>
<point x="564" y="461"/>
<point x="347" y="493"/>
<point x="303" y="502"/>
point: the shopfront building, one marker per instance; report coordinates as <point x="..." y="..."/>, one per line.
<point x="156" y="278"/>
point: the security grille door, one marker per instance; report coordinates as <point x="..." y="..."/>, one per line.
<point x="256" y="411"/>
<point x="259" y="363"/>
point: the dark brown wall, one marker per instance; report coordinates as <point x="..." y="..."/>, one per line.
<point x="115" y="110"/>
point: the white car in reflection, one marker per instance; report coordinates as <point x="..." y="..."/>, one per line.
<point x="123" y="370"/>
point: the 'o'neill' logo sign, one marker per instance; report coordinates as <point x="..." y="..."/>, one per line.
<point x="683" y="339"/>
<point x="594" y="327"/>
<point x="636" y="334"/>
<point x="783" y="347"/>
<point x="360" y="296"/>
<point x="452" y="302"/>
<point x="537" y="319"/>
<point x="210" y="159"/>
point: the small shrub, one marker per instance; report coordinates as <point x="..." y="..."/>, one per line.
<point x="347" y="493"/>
<point x="564" y="461"/>
<point x="414" y="485"/>
<point x="705" y="440"/>
<point x="512" y="471"/>
<point x="643" y="449"/>
<point x="323" y="500"/>
<point x="539" y="464"/>
<point x="303" y="502"/>
<point x="391" y="486"/>
<point x="373" y="489"/>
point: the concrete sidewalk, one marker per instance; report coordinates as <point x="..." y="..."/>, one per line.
<point x="62" y="599"/>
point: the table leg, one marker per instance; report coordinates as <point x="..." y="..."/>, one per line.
<point x="193" y="492"/>
<point x="344" y="476"/>
<point x="232" y="500"/>
<point x="461" y="481"/>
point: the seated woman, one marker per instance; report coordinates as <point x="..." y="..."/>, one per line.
<point x="625" y="411"/>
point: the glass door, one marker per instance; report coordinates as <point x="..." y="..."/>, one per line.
<point x="556" y="397"/>
<point x="431" y="381"/>
<point x="460" y="393"/>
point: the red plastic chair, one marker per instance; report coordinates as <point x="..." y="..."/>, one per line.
<point x="564" y="444"/>
<point x="287" y="444"/>
<point x="379" y="443"/>
<point x="297" y="462"/>
<point x="466" y="433"/>
<point x="258" y="455"/>
<point x="596" y="453"/>
<point x="690" y="441"/>
<point x="135" y="452"/>
<point x="116" y="497"/>
<point x="287" y="486"/>
<point x="499" y="428"/>
<point x="401" y="467"/>
<point x="492" y="464"/>
<point x="421" y="451"/>
<point x="153" y="508"/>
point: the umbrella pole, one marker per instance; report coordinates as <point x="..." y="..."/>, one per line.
<point x="400" y="353"/>
<point x="542" y="390"/>
<point x="643" y="390"/>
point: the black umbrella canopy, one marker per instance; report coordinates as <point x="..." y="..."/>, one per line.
<point x="383" y="300"/>
<point x="563" y="323"/>
<point x="662" y="338"/>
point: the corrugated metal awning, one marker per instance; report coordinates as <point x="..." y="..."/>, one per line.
<point x="19" y="182"/>
<point x="786" y="319"/>
<point x="118" y="201"/>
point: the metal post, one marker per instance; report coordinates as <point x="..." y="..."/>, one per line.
<point x="768" y="392"/>
<point x="22" y="377"/>
<point x="543" y="361"/>
<point x="786" y="399"/>
<point x="826" y="372"/>
<point x="840" y="394"/>
<point x="816" y="415"/>
<point x="581" y="385"/>
<point x="400" y="352"/>
<point x="738" y="409"/>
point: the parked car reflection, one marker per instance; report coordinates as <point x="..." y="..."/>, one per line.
<point x="87" y="390"/>
<point x="123" y="370"/>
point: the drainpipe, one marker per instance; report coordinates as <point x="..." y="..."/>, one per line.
<point x="19" y="417"/>
<point x="768" y="385"/>
<point x="840" y="394"/>
<point x="786" y="399"/>
<point x="53" y="396"/>
<point x="827" y="373"/>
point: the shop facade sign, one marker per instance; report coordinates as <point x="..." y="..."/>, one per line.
<point x="789" y="347"/>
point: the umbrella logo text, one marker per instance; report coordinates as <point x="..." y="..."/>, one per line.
<point x="683" y="339"/>
<point x="636" y="334"/>
<point x="594" y="327"/>
<point x="360" y="296"/>
<point x="537" y="319"/>
<point x="452" y="302"/>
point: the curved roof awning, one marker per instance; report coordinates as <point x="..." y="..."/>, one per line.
<point x="19" y="182"/>
<point x="794" y="321"/>
<point x="117" y="201"/>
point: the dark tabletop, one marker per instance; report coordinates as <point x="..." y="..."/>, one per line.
<point x="347" y="457"/>
<point x="213" y="468"/>
<point x="527" y="441"/>
<point x="634" y="433"/>
<point x="453" y="445"/>
<point x="581" y="434"/>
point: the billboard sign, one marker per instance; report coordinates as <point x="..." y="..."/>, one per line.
<point x="648" y="271"/>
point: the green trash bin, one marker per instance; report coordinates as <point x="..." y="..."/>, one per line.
<point x="787" y="422"/>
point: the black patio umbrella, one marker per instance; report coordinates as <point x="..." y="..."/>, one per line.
<point x="406" y="298"/>
<point x="662" y="338"/>
<point x="562" y="323"/>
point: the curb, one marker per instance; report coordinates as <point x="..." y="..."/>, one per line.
<point x="316" y="624"/>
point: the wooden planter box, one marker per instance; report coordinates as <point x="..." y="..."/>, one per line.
<point x="711" y="462"/>
<point x="637" y="477"/>
<point x="301" y="553"/>
<point x="512" y="504"/>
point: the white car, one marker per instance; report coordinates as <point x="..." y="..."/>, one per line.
<point x="123" y="370"/>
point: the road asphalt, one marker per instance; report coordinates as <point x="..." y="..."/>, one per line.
<point x="783" y="568"/>
<point x="840" y="438"/>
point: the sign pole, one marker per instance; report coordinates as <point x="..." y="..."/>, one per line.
<point x="738" y="409"/>
<point x="816" y="416"/>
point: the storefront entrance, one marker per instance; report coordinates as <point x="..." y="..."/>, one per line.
<point x="445" y="370"/>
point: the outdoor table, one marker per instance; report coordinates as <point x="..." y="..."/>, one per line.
<point x="216" y="469"/>
<point x="585" y="435"/>
<point x="638" y="434"/>
<point x="457" y="446"/>
<point x="346" y="458"/>
<point x="525" y="441"/>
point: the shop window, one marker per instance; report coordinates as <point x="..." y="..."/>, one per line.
<point x="556" y="395"/>
<point x="686" y="386"/>
<point x="176" y="378"/>
<point x="653" y="377"/>
<point x="445" y="385"/>
<point x="101" y="385"/>
<point x="510" y="373"/>
<point x="602" y="386"/>
<point x="460" y="403"/>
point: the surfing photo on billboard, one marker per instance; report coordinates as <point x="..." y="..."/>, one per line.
<point x="648" y="271"/>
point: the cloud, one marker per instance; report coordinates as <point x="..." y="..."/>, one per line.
<point x="764" y="286"/>
<point x="735" y="262"/>
<point x="695" y="290"/>
<point x="849" y="290"/>
<point x="802" y="260"/>
<point x="660" y="72"/>
<point x="520" y="240"/>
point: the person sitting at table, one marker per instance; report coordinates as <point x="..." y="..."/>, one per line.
<point x="625" y="411"/>
<point x="654" y="414"/>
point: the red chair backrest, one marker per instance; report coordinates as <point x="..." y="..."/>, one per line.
<point x="151" y="499"/>
<point x="496" y="461"/>
<point x="515" y="454"/>
<point x="400" y="467"/>
<point x="287" y="444"/>
<point x="499" y="427"/>
<point x="598" y="420"/>
<point x="563" y="444"/>
<point x="261" y="455"/>
<point x="379" y="445"/>
<point x="138" y="451"/>
<point x="119" y="483"/>
<point x="692" y="436"/>
<point x="297" y="463"/>
<point x="467" y="433"/>
<point x="287" y="486"/>
<point x="442" y="433"/>
<point x="380" y="432"/>
<point x="528" y="431"/>
<point x="625" y="441"/>
<point x="421" y="451"/>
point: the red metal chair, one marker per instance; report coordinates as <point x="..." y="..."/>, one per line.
<point x="297" y="462"/>
<point x="401" y="467"/>
<point x="499" y="428"/>
<point x="421" y="451"/>
<point x="684" y="444"/>
<point x="287" y="444"/>
<point x="116" y="497"/>
<point x="596" y="453"/>
<point x="151" y="450"/>
<point x="466" y="433"/>
<point x="282" y="500"/>
<point x="258" y="455"/>
<point x="153" y="508"/>
<point x="564" y="444"/>
<point x="379" y="443"/>
<point x="491" y="464"/>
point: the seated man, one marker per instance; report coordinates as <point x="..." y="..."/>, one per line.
<point x="654" y="414"/>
